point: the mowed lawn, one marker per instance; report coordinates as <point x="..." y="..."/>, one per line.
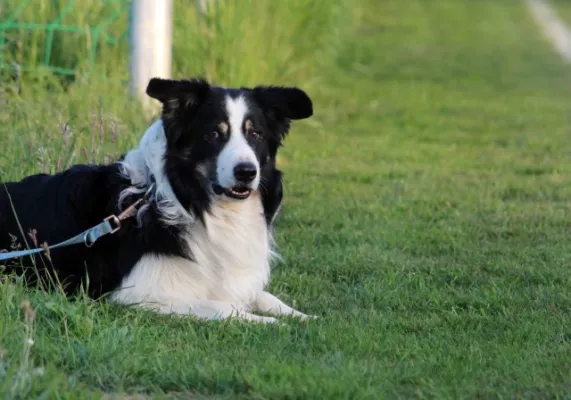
<point x="426" y="221"/>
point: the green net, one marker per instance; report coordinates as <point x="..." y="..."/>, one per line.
<point x="61" y="36"/>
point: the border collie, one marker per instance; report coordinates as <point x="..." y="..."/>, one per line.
<point x="202" y="244"/>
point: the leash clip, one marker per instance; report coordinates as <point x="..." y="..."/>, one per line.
<point x="116" y="225"/>
<point x="117" y="222"/>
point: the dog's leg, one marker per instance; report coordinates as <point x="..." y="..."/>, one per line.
<point x="269" y="303"/>
<point x="206" y="309"/>
<point x="211" y="309"/>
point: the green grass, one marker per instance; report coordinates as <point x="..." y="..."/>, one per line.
<point x="563" y="9"/>
<point x="425" y="220"/>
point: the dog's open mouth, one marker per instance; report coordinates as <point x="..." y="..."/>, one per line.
<point x="236" y="192"/>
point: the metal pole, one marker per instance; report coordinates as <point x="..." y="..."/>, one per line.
<point x="150" y="34"/>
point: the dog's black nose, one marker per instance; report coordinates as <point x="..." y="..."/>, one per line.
<point x="245" y="172"/>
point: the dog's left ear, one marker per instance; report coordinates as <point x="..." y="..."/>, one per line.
<point x="285" y="102"/>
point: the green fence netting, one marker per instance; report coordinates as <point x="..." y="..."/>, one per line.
<point x="59" y="35"/>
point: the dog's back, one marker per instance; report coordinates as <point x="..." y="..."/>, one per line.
<point x="52" y="208"/>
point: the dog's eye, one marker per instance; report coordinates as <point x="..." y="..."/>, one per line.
<point x="212" y="136"/>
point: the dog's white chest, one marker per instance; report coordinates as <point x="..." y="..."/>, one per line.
<point x="230" y="261"/>
<point x="232" y="251"/>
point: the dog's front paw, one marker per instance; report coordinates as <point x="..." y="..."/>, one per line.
<point x="268" y="320"/>
<point x="305" y="317"/>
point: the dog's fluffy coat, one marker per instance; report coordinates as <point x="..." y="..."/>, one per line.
<point x="202" y="245"/>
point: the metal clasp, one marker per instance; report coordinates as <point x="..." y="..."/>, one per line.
<point x="116" y="221"/>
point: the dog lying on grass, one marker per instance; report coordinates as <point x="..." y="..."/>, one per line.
<point x="201" y="241"/>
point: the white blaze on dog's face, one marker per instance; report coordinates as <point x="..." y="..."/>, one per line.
<point x="237" y="167"/>
<point x="221" y="143"/>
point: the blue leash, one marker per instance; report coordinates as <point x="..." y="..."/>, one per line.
<point x="110" y="225"/>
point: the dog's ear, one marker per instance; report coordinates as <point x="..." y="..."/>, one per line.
<point x="284" y="102"/>
<point x="177" y="93"/>
<point x="179" y="99"/>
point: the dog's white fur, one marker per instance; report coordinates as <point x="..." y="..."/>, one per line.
<point x="146" y="161"/>
<point x="237" y="149"/>
<point x="231" y="252"/>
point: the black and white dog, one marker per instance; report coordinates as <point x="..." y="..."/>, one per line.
<point x="203" y="243"/>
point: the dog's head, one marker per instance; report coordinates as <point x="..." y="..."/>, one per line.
<point x="223" y="140"/>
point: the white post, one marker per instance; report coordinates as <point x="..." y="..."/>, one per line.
<point x="150" y="34"/>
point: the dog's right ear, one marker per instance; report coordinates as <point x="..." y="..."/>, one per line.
<point x="179" y="99"/>
<point x="177" y="93"/>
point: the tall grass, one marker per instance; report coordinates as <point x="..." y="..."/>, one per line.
<point x="237" y="42"/>
<point x="243" y="42"/>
